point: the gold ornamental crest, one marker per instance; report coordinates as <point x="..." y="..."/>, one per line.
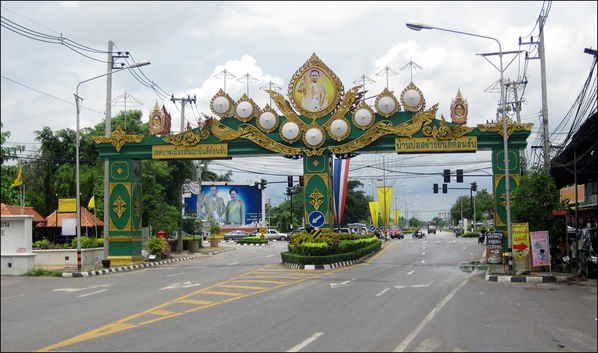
<point x="314" y="90"/>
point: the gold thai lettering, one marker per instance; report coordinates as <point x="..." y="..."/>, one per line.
<point x="197" y="151"/>
<point x="426" y="144"/>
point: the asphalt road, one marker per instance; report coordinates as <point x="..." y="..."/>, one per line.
<point x="411" y="296"/>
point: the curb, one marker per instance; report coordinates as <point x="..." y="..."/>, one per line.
<point x="123" y="268"/>
<point x="525" y="279"/>
<point x="321" y="267"/>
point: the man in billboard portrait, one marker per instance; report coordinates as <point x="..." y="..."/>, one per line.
<point x="214" y="205"/>
<point x="235" y="208"/>
<point x="314" y="93"/>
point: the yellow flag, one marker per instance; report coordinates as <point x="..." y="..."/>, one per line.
<point x="19" y="179"/>
<point x="374" y="212"/>
<point x="385" y="198"/>
<point x="92" y="203"/>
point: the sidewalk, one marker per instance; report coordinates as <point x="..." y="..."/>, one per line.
<point x="174" y="257"/>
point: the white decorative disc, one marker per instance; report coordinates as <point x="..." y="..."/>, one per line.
<point x="339" y="127"/>
<point x="244" y="109"/>
<point x="290" y="130"/>
<point x="313" y="137"/>
<point x="221" y="105"/>
<point x="267" y="120"/>
<point x="363" y="117"/>
<point x="386" y="105"/>
<point x="412" y="98"/>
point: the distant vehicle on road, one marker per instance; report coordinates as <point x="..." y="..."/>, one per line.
<point x="357" y="228"/>
<point x="396" y="233"/>
<point x="271" y="234"/>
<point x="236" y="235"/>
<point x="431" y="227"/>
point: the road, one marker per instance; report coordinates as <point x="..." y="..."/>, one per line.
<point x="411" y="296"/>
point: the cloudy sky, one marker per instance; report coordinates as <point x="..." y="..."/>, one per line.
<point x="189" y="44"/>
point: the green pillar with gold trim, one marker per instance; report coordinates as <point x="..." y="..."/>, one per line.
<point x="125" y="212"/>
<point x="317" y="186"/>
<point x="500" y="189"/>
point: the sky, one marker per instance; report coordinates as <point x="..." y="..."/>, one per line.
<point x="189" y="45"/>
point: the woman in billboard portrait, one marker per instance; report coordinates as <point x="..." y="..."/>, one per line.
<point x="235" y="208"/>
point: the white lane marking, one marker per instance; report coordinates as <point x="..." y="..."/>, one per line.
<point x="334" y="285"/>
<point x="181" y="285"/>
<point x="176" y="274"/>
<point x="96" y="292"/>
<point x="403" y="345"/>
<point x="269" y="255"/>
<point x="301" y="345"/>
<point x="382" y="292"/>
<point x="234" y="263"/>
<point x="423" y="261"/>
<point x="14" y="296"/>
<point x="423" y="253"/>
<point x="422" y="285"/>
<point x="70" y="290"/>
<point x="410" y="273"/>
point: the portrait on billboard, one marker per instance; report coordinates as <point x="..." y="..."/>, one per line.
<point x="229" y="205"/>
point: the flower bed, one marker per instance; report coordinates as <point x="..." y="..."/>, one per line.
<point x="329" y="248"/>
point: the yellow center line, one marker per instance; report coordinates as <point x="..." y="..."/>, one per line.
<point x="224" y="293"/>
<point x="239" y="286"/>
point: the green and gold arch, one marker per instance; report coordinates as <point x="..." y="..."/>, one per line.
<point x="317" y="120"/>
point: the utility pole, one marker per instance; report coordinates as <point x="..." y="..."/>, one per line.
<point x="517" y="108"/>
<point x="107" y="132"/>
<point x="183" y="101"/>
<point x="541" y="56"/>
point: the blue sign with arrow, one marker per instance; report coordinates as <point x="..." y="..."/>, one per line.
<point x="316" y="219"/>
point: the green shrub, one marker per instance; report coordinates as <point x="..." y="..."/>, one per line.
<point x="99" y="243"/>
<point x="40" y="272"/>
<point x="86" y="243"/>
<point x="155" y="246"/>
<point x="470" y="235"/>
<point x="252" y="240"/>
<point x="42" y="244"/>
<point x="294" y="258"/>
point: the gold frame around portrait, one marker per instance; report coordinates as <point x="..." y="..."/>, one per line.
<point x="314" y="63"/>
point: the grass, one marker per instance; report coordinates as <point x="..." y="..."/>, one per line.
<point x="40" y="272"/>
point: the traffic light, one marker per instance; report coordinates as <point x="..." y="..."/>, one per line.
<point x="444" y="188"/>
<point x="474" y="186"/>
<point x="459" y="175"/>
<point x="447" y="175"/>
<point x="436" y="188"/>
<point x="290" y="181"/>
<point x="263" y="183"/>
<point x="301" y="180"/>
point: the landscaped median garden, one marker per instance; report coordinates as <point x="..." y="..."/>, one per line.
<point x="329" y="248"/>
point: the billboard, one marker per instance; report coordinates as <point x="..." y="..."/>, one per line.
<point x="231" y="205"/>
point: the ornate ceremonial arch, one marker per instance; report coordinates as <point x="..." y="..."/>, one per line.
<point x="318" y="121"/>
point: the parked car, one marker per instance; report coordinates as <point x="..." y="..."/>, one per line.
<point x="236" y="235"/>
<point x="396" y="233"/>
<point x="342" y="230"/>
<point x="588" y="252"/>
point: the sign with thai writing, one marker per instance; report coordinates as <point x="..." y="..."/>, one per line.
<point x="568" y="194"/>
<point x="493" y="247"/>
<point x="428" y="144"/>
<point x="540" y="248"/>
<point x="215" y="150"/>
<point x="67" y="205"/>
<point x="520" y="241"/>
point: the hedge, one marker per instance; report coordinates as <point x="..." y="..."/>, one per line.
<point x="288" y="257"/>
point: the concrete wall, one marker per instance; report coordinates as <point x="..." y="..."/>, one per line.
<point x="56" y="258"/>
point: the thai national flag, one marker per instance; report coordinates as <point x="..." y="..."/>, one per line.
<point x="340" y="176"/>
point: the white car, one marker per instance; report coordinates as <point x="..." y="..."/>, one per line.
<point x="273" y="234"/>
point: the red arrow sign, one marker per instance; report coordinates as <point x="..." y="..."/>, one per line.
<point x="521" y="247"/>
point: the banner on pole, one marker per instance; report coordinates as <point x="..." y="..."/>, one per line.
<point x="540" y="248"/>
<point x="340" y="175"/>
<point x="374" y="212"/>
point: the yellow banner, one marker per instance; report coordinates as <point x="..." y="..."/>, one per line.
<point x="521" y="242"/>
<point x="397" y="218"/>
<point x="429" y="144"/>
<point x="214" y="150"/>
<point x="385" y="201"/>
<point x="374" y="211"/>
<point x="67" y="205"/>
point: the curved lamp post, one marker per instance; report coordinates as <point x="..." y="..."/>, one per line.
<point x="78" y="196"/>
<point x="418" y="27"/>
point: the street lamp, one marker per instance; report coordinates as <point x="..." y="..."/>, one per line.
<point x="78" y="196"/>
<point x="418" y="27"/>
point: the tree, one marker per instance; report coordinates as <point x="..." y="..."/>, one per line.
<point x="357" y="208"/>
<point x="9" y="195"/>
<point x="535" y="198"/>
